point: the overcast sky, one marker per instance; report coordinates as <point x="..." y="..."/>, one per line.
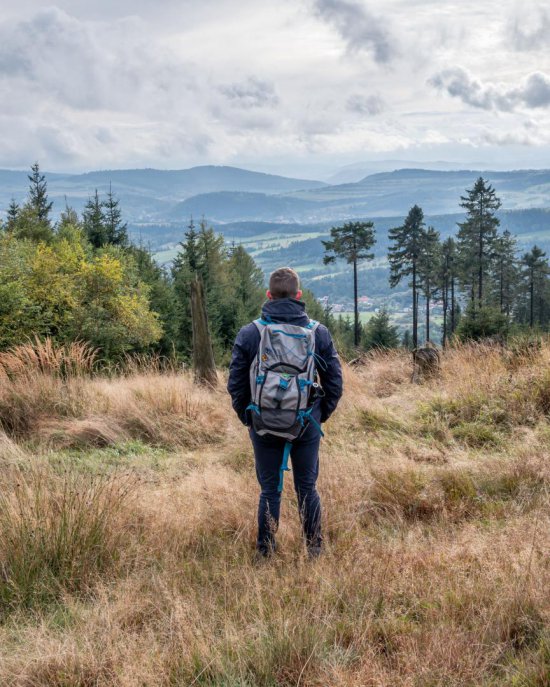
<point x="294" y="86"/>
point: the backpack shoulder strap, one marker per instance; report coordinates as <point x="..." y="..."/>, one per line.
<point x="261" y="323"/>
<point x="312" y="325"/>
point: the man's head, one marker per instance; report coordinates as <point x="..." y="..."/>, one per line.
<point x="284" y="283"/>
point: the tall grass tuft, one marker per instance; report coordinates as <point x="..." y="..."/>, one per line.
<point x="58" y="533"/>
<point x="46" y="357"/>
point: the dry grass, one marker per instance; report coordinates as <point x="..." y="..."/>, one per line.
<point x="48" y="396"/>
<point x="436" y="569"/>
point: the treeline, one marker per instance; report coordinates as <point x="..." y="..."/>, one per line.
<point x="80" y="278"/>
<point x="484" y="286"/>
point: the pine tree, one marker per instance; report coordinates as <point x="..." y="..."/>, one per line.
<point x="535" y="272"/>
<point x="476" y="240"/>
<point x="116" y="231"/>
<point x="404" y="256"/>
<point x="93" y="222"/>
<point x="406" y="341"/>
<point x="38" y="195"/>
<point x="379" y="333"/>
<point x="428" y="270"/>
<point x="352" y="242"/>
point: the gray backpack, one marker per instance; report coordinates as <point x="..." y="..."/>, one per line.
<point x="282" y="377"/>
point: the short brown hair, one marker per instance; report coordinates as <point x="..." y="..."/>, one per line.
<point x="284" y="283"/>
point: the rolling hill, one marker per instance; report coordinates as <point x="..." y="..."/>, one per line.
<point x="147" y="194"/>
<point x="385" y="194"/>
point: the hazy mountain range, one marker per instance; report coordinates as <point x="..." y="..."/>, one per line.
<point x="282" y="220"/>
<point x="229" y="194"/>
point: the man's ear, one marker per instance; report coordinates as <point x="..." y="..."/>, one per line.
<point x="269" y="296"/>
<point x="298" y="294"/>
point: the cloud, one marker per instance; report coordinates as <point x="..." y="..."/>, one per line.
<point x="360" y="29"/>
<point x="365" y="104"/>
<point x="529" y="28"/>
<point x="251" y="93"/>
<point x="532" y="92"/>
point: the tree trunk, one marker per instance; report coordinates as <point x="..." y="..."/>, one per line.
<point x="445" y="308"/>
<point x="453" y="323"/>
<point x="356" y="337"/>
<point x="501" y="287"/>
<point x="531" y="299"/>
<point x="428" y="314"/>
<point x="203" y="356"/>
<point x="480" y="257"/>
<point x="415" y="309"/>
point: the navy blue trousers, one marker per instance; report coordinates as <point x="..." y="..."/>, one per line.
<point x="268" y="453"/>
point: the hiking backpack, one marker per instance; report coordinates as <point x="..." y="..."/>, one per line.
<point x="282" y="378"/>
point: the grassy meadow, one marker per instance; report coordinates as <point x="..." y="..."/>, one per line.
<point x="127" y="527"/>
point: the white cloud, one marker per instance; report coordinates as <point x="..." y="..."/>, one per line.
<point x="181" y="82"/>
<point x="529" y="26"/>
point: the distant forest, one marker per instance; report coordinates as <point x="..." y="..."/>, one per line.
<point x="82" y="278"/>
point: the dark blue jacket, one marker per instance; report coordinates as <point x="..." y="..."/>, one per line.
<point x="246" y="345"/>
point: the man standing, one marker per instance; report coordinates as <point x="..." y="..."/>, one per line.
<point x="285" y="308"/>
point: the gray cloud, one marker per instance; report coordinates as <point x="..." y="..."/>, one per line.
<point x="529" y="28"/>
<point x="358" y="27"/>
<point x="251" y="93"/>
<point x="532" y="92"/>
<point x="365" y="104"/>
<point x="90" y="65"/>
<point x="171" y="84"/>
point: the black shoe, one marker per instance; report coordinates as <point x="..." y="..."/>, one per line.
<point x="314" y="552"/>
<point x="261" y="556"/>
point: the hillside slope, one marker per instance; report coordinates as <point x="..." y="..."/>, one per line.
<point x="136" y="508"/>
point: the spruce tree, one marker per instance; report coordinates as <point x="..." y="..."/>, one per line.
<point x="476" y="240"/>
<point x="161" y="296"/>
<point x="116" y="231"/>
<point x="247" y="280"/>
<point x="352" y="242"/>
<point x="93" y="222"/>
<point x="379" y="333"/>
<point x="535" y="272"/>
<point x="184" y="269"/>
<point x="12" y="215"/>
<point x="68" y="217"/>
<point x="506" y="272"/>
<point x="428" y="270"/>
<point x="38" y="196"/>
<point x="404" y="256"/>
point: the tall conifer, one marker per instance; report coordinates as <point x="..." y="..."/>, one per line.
<point x="404" y="255"/>
<point x="352" y="242"/>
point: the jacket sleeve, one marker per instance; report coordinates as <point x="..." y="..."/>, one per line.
<point x="238" y="384"/>
<point x="330" y="373"/>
